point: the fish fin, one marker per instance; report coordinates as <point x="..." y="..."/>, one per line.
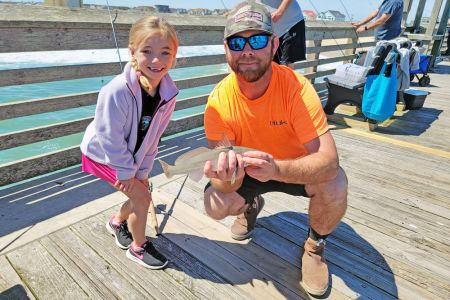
<point x="224" y="142"/>
<point x="196" y="175"/>
<point x="191" y="154"/>
<point x="165" y="166"/>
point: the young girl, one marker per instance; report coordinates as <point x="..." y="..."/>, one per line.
<point x="120" y="144"/>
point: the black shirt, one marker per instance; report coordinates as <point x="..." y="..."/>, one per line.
<point x="149" y="105"/>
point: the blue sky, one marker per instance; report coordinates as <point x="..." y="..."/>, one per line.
<point x="354" y="9"/>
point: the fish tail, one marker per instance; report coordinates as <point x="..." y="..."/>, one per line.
<point x="165" y="166"/>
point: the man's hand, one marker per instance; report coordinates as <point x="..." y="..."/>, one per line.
<point x="276" y="15"/>
<point x="125" y="185"/>
<point x="260" y="165"/>
<point x="356" y="24"/>
<point x="226" y="167"/>
<point x="360" y="29"/>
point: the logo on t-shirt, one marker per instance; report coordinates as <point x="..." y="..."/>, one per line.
<point x="278" y="123"/>
<point x="145" y="122"/>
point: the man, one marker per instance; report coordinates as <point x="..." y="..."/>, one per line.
<point x="388" y="19"/>
<point x="265" y="106"/>
<point x="289" y="25"/>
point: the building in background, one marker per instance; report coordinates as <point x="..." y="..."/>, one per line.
<point x="145" y="8"/>
<point x="179" y="10"/>
<point x="200" y="12"/>
<point x="66" y="3"/>
<point x="331" y="15"/>
<point x="162" y="8"/>
<point x="309" y="15"/>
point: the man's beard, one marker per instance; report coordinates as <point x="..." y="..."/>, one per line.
<point x="250" y="75"/>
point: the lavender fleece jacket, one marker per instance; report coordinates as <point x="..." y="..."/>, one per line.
<point x="111" y="137"/>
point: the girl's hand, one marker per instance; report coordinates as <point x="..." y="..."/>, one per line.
<point x="125" y="185"/>
<point x="144" y="182"/>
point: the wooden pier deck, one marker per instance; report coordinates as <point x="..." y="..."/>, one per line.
<point x="394" y="241"/>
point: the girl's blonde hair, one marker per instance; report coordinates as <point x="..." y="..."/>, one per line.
<point x="148" y="26"/>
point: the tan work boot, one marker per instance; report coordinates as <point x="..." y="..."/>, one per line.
<point x="314" y="268"/>
<point x="244" y="224"/>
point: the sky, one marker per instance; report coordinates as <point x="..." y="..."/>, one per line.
<point x="352" y="9"/>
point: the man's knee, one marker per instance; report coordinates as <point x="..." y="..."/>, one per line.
<point x="333" y="190"/>
<point x="214" y="205"/>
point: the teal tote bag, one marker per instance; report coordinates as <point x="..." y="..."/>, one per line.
<point x="380" y="93"/>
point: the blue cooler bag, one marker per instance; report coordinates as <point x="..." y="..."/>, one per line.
<point x="380" y="94"/>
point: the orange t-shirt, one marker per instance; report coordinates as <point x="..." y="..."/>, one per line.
<point x="280" y="122"/>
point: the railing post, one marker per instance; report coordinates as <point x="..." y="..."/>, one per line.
<point x="353" y="40"/>
<point x="436" y="44"/>
<point x="313" y="56"/>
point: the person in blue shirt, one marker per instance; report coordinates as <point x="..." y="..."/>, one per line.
<point x="388" y="19"/>
<point x="448" y="41"/>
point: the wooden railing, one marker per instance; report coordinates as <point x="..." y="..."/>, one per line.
<point x="337" y="41"/>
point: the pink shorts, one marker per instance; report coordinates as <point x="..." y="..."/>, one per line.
<point x="97" y="169"/>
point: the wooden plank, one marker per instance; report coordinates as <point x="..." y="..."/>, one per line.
<point x="41" y="273"/>
<point x="339" y="47"/>
<point x="40" y="164"/>
<point x="11" y="287"/>
<point x="23" y="36"/>
<point x="319" y="74"/>
<point x="199" y="81"/>
<point x="38" y="106"/>
<point x="47" y="74"/>
<point x="321" y="61"/>
<point x="98" y="278"/>
<point x="28" y="136"/>
<point x="330" y="32"/>
<point x="157" y="283"/>
<point x="191" y="102"/>
<point x="185" y="123"/>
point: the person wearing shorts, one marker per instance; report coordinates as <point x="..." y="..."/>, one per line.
<point x="289" y="25"/>
<point x="269" y="107"/>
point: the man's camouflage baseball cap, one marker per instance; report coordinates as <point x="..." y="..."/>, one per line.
<point x="248" y="15"/>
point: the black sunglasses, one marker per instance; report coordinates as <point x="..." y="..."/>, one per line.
<point x="256" y="42"/>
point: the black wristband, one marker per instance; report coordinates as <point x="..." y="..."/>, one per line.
<point x="365" y="28"/>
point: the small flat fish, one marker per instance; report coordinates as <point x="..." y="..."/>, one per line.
<point x="192" y="162"/>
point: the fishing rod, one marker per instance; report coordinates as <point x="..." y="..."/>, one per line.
<point x="114" y="34"/>
<point x="324" y="23"/>
<point x="351" y="21"/>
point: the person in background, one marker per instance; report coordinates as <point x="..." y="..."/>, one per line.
<point x="120" y="144"/>
<point x="270" y="107"/>
<point x="289" y="25"/>
<point x="388" y="19"/>
<point x="447" y="52"/>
